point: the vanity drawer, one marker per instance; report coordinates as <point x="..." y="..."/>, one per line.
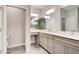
<point x="50" y="36"/>
<point x="71" y="49"/>
<point x="50" y="46"/>
<point x="43" y="35"/>
<point x="58" y="47"/>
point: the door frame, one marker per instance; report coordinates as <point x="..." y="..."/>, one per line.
<point x="1" y="28"/>
<point x="27" y="28"/>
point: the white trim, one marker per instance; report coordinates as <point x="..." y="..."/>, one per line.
<point x="28" y="40"/>
<point x="16" y="45"/>
<point x="4" y="30"/>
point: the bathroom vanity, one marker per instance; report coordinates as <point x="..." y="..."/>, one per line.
<point x="58" y="42"/>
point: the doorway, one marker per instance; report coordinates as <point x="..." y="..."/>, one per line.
<point x="16" y="18"/>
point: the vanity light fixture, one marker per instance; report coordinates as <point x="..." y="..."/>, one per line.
<point x="50" y="11"/>
<point x="34" y="23"/>
<point x="47" y="17"/>
<point x="34" y="15"/>
<point x="34" y="19"/>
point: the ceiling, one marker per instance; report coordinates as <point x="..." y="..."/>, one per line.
<point x="38" y="6"/>
<point x="42" y="6"/>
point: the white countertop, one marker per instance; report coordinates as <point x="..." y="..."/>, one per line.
<point x="60" y="33"/>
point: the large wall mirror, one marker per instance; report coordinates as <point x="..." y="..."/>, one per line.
<point x="70" y="18"/>
<point x="58" y="18"/>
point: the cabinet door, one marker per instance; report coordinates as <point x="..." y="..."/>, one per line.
<point x="43" y="41"/>
<point x="72" y="49"/>
<point x="40" y="38"/>
<point x="58" y="47"/>
<point x="50" y="44"/>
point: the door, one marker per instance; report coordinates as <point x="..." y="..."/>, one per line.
<point x="43" y="40"/>
<point x="15" y="26"/>
<point x="58" y="47"/>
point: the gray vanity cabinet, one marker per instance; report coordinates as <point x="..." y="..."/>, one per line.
<point x="58" y="46"/>
<point x="44" y="43"/>
<point x="72" y="49"/>
<point x="50" y="46"/>
<point x="43" y="40"/>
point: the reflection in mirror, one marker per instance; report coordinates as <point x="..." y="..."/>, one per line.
<point x="69" y="18"/>
<point x="58" y="19"/>
<point x="34" y="22"/>
<point x="38" y="23"/>
<point x="63" y="23"/>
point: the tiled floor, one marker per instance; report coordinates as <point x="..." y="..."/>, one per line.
<point x="16" y="50"/>
<point x="35" y="49"/>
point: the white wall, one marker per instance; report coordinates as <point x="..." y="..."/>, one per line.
<point x="35" y="10"/>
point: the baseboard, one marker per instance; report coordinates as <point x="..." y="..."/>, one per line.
<point x="16" y="45"/>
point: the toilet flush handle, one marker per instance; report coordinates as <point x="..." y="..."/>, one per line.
<point x="0" y="29"/>
<point x="9" y="36"/>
